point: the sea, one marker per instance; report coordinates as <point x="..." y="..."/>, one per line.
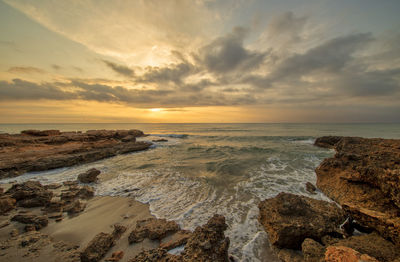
<point x="204" y="169"/>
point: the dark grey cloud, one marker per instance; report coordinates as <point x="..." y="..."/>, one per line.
<point x="120" y="69"/>
<point x="25" y="70"/>
<point x="172" y="73"/>
<point x="19" y="89"/>
<point x="226" y="54"/>
<point x="331" y="56"/>
<point x="286" y="25"/>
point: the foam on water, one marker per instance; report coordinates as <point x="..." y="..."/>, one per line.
<point x="192" y="179"/>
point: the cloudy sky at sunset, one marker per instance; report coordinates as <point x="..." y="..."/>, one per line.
<point x="199" y="61"/>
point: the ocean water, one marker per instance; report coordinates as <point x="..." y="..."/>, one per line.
<point x="205" y="169"/>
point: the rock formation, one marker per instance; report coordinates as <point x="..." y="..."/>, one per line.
<point x="35" y="150"/>
<point x="207" y="243"/>
<point x="89" y="176"/>
<point x="364" y="177"/>
<point x="289" y="219"/>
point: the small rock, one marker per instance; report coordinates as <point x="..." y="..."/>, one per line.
<point x="89" y="176"/>
<point x="97" y="247"/>
<point x="312" y="250"/>
<point x="6" y="204"/>
<point x="116" y="256"/>
<point x="38" y="221"/>
<point x="152" y="228"/>
<point x="160" y="140"/>
<point x="310" y="188"/>
<point x="75" y="207"/>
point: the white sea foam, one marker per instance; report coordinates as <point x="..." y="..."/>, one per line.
<point x="153" y="177"/>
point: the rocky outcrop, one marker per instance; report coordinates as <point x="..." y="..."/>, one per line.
<point x="364" y="177"/>
<point x="30" y="194"/>
<point x="290" y="219"/>
<point x="35" y="150"/>
<point x="207" y="243"/>
<point x="100" y="244"/>
<point x="37" y="221"/>
<point x="153" y="229"/>
<point x="89" y="176"/>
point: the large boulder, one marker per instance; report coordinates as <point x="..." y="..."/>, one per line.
<point x="289" y="219"/>
<point x="346" y="254"/>
<point x="30" y="194"/>
<point x="89" y="176"/>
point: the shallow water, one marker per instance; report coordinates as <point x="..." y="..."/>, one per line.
<point x="213" y="168"/>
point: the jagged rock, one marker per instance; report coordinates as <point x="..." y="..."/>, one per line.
<point x="180" y="238"/>
<point x="346" y="254"/>
<point x="30" y="194"/>
<point x="97" y="247"/>
<point x="85" y="192"/>
<point x="89" y="176"/>
<point x="373" y="245"/>
<point x="101" y="243"/>
<point x="54" y="206"/>
<point x="207" y="243"/>
<point x="75" y="207"/>
<point x="118" y="231"/>
<point x="310" y="188"/>
<point x="289" y="219"/>
<point x="312" y="250"/>
<point x="116" y="256"/>
<point x="6" y="204"/>
<point x="364" y="177"/>
<point x="44" y="150"/>
<point x="152" y="228"/>
<point x="38" y="221"/>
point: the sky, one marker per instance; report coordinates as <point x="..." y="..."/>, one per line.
<point x="272" y="61"/>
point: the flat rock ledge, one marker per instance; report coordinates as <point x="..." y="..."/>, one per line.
<point x="364" y="179"/>
<point x="39" y="150"/>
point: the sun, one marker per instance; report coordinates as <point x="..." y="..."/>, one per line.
<point x="155" y="109"/>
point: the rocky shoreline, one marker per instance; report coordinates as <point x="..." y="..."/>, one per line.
<point x="35" y="150"/>
<point x="66" y="222"/>
<point x="363" y="178"/>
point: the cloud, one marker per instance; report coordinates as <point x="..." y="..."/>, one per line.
<point x="25" y="70"/>
<point x="172" y="73"/>
<point x="226" y="54"/>
<point x="19" y="89"/>
<point x="120" y="69"/>
<point x="286" y="25"/>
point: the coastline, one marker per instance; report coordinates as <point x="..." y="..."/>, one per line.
<point x="100" y="215"/>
